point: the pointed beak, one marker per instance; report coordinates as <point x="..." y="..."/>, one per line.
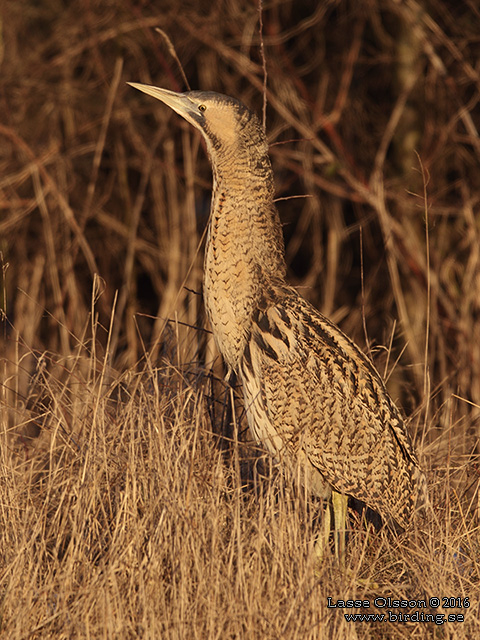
<point x="179" y="102"/>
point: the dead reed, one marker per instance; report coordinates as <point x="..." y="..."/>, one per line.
<point x="132" y="504"/>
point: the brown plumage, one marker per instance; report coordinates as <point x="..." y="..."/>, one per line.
<point x="312" y="397"/>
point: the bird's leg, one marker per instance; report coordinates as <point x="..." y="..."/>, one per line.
<point x="322" y="541"/>
<point x="340" y="504"/>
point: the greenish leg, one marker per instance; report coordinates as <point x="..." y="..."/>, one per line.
<point x="322" y="541"/>
<point x="340" y="504"/>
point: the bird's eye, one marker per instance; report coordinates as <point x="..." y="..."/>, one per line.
<point x="202" y="107"/>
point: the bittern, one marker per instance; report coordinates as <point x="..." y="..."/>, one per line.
<point x="312" y="397"/>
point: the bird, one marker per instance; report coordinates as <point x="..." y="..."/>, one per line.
<point x="313" y="399"/>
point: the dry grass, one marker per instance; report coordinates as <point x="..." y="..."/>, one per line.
<point x="132" y="503"/>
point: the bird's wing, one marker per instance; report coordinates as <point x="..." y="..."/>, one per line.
<point x="320" y="395"/>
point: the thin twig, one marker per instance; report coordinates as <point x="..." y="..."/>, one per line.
<point x="264" y="63"/>
<point x="173" y="53"/>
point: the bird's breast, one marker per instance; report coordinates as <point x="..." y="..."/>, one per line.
<point x="241" y="254"/>
<point x="229" y="300"/>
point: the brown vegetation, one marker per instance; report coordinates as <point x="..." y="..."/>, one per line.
<point x="132" y="504"/>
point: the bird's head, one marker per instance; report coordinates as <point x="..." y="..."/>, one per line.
<point x="226" y="124"/>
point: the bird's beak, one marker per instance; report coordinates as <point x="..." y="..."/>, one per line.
<point x="179" y="102"/>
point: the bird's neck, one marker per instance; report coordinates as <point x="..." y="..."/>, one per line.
<point x="244" y="249"/>
<point x="243" y="211"/>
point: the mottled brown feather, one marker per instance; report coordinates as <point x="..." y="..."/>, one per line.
<point x="312" y="398"/>
<point x="307" y="383"/>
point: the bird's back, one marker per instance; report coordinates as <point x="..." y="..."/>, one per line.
<point x="312" y="397"/>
